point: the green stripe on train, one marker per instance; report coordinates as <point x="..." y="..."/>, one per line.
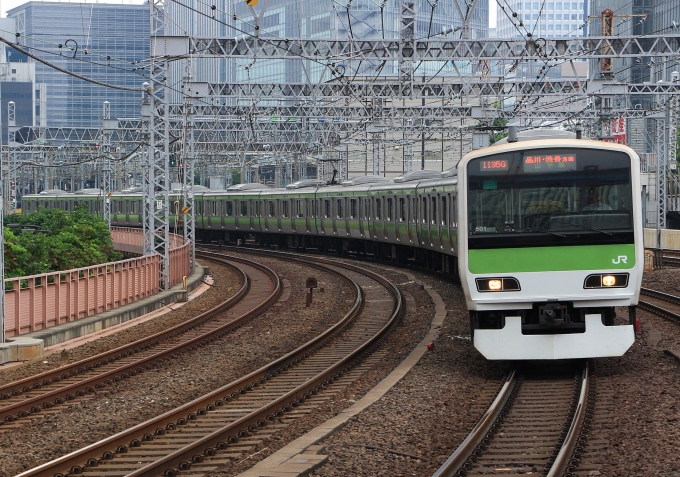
<point x="551" y="259"/>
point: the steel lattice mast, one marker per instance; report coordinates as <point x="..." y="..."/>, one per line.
<point x="157" y="184"/>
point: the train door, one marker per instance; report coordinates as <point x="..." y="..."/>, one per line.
<point x="338" y="217"/>
<point x="308" y="214"/>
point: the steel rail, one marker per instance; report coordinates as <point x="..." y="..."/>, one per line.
<point x="26" y="384"/>
<point x="58" y="396"/>
<point x="131" y="438"/>
<point x="562" y="461"/>
<point x="469" y="449"/>
<point x="481" y="429"/>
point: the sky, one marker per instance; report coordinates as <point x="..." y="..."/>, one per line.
<point x="9" y="4"/>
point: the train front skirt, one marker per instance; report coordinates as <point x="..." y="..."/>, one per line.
<point x="598" y="341"/>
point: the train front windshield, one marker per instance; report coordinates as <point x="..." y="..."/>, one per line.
<point x="548" y="197"/>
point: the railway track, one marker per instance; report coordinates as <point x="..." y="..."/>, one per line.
<point x="532" y="426"/>
<point x="195" y="437"/>
<point x="661" y="304"/>
<point x="43" y="393"/>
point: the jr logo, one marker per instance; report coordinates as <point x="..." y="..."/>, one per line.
<point x="620" y="259"/>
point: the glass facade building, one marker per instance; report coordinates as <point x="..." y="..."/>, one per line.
<point x="106" y="41"/>
<point x="365" y="19"/>
<point x="542" y="18"/>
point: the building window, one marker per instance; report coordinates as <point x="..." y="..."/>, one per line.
<point x="535" y="16"/>
<point x="535" y="5"/>
<point x="527" y="6"/>
<point x="558" y="6"/>
<point x="527" y="16"/>
<point x="551" y="6"/>
<point x="573" y="17"/>
<point x="558" y="27"/>
<point x="37" y="94"/>
<point x="550" y="27"/>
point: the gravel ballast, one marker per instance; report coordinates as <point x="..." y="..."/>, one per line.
<point x="153" y="392"/>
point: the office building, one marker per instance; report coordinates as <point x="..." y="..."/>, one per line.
<point x="96" y="40"/>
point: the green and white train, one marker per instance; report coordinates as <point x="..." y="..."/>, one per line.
<point x="551" y="240"/>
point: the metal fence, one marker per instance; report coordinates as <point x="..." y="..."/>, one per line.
<point x="39" y="301"/>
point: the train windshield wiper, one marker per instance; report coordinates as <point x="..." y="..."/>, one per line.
<point x="585" y="227"/>
<point x="531" y="229"/>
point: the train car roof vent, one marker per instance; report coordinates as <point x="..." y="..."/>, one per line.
<point x="247" y="186"/>
<point x="306" y="183"/>
<point x="418" y="175"/>
<point x="365" y="180"/>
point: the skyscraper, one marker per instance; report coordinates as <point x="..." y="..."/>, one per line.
<point x="362" y="19"/>
<point x="99" y="41"/>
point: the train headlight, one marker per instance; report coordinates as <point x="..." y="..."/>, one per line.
<point x="497" y="284"/>
<point x="610" y="280"/>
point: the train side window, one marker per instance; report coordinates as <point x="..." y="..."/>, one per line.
<point x="244" y="208"/>
<point x="327" y="208"/>
<point x="444" y="216"/>
<point x="414" y="210"/>
<point x="353" y="205"/>
<point x="120" y="207"/>
<point x="423" y="212"/>
<point x="402" y="209"/>
<point x="258" y="209"/>
<point x="367" y="209"/>
<point x="284" y="209"/>
<point x="299" y="212"/>
<point x="214" y="207"/>
<point x="454" y="212"/>
<point x="378" y="208"/>
<point x="230" y="208"/>
<point x="390" y="210"/>
<point x="433" y="211"/>
<point x="340" y="211"/>
<point x="272" y="209"/>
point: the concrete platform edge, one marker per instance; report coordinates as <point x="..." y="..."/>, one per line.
<point x="286" y="461"/>
<point x="31" y="345"/>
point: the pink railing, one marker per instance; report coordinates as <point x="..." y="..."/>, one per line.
<point x="39" y="301"/>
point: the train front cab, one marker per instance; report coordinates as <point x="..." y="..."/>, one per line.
<point x="543" y="265"/>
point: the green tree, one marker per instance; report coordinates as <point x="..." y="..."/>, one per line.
<point x="497" y="136"/>
<point x="235" y="176"/>
<point x="65" y="240"/>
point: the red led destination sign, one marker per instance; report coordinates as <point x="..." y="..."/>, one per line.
<point x="549" y="163"/>
<point x="489" y="166"/>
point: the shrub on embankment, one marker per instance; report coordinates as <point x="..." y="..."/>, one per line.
<point x="50" y="240"/>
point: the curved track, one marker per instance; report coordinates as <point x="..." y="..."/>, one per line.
<point x="661" y="304"/>
<point x="195" y="434"/>
<point x="260" y="288"/>
<point x="531" y="427"/>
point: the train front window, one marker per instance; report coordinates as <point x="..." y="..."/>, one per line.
<point x="550" y="197"/>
